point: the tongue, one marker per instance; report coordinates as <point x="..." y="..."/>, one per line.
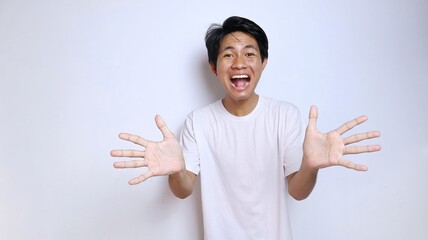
<point x="239" y="83"/>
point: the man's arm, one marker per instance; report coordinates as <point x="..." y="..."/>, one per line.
<point x="301" y="183"/>
<point x="321" y="150"/>
<point x="163" y="158"/>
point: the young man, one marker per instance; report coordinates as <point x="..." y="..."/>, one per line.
<point x="246" y="148"/>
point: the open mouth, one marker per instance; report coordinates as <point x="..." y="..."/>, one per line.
<point x="240" y="81"/>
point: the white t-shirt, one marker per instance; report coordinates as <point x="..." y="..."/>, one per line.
<point x="243" y="163"/>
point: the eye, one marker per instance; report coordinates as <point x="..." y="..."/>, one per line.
<point x="228" y="55"/>
<point x="250" y="54"/>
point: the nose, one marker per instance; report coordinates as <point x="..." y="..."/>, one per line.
<point x="239" y="63"/>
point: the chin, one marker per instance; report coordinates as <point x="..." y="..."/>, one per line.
<point x="241" y="96"/>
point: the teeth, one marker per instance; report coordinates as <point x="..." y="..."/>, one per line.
<point x="240" y="76"/>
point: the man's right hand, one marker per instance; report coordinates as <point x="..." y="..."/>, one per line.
<point x="161" y="158"/>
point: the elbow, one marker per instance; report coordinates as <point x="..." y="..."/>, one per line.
<point x="299" y="194"/>
<point x="181" y="187"/>
<point x="298" y="197"/>
<point x="182" y="194"/>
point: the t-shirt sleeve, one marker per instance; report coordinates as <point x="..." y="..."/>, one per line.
<point x="190" y="146"/>
<point x="293" y="141"/>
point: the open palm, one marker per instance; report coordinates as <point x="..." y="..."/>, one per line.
<point x="161" y="158"/>
<point x="321" y="150"/>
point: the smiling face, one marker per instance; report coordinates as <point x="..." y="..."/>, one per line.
<point x="239" y="67"/>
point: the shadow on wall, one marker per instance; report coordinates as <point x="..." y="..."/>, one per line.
<point x="212" y="87"/>
<point x="209" y="89"/>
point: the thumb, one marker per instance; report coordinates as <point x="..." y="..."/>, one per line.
<point x="160" y="123"/>
<point x="313" y="116"/>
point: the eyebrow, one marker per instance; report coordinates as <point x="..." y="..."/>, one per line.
<point x="246" y="47"/>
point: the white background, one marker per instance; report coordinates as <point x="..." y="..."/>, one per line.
<point x="73" y="74"/>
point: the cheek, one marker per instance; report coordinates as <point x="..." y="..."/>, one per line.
<point x="221" y="71"/>
<point x="257" y="68"/>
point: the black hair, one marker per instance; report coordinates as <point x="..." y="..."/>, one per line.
<point x="217" y="32"/>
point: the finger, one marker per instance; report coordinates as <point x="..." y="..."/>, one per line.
<point x="127" y="153"/>
<point x="351" y="165"/>
<point x="163" y="127"/>
<point x="313" y="116"/>
<point x="361" y="149"/>
<point x="361" y="136"/>
<point x="141" y="178"/>
<point x="351" y="124"/>
<point x="134" y="139"/>
<point x="130" y="164"/>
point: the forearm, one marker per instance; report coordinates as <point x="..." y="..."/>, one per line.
<point x="301" y="184"/>
<point x="181" y="183"/>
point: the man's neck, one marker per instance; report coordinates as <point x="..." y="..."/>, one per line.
<point x="240" y="108"/>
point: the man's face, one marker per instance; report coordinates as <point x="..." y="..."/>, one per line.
<point x="239" y="66"/>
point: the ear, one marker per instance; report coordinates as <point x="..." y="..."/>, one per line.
<point x="213" y="68"/>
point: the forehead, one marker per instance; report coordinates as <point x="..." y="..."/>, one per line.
<point x="238" y="39"/>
